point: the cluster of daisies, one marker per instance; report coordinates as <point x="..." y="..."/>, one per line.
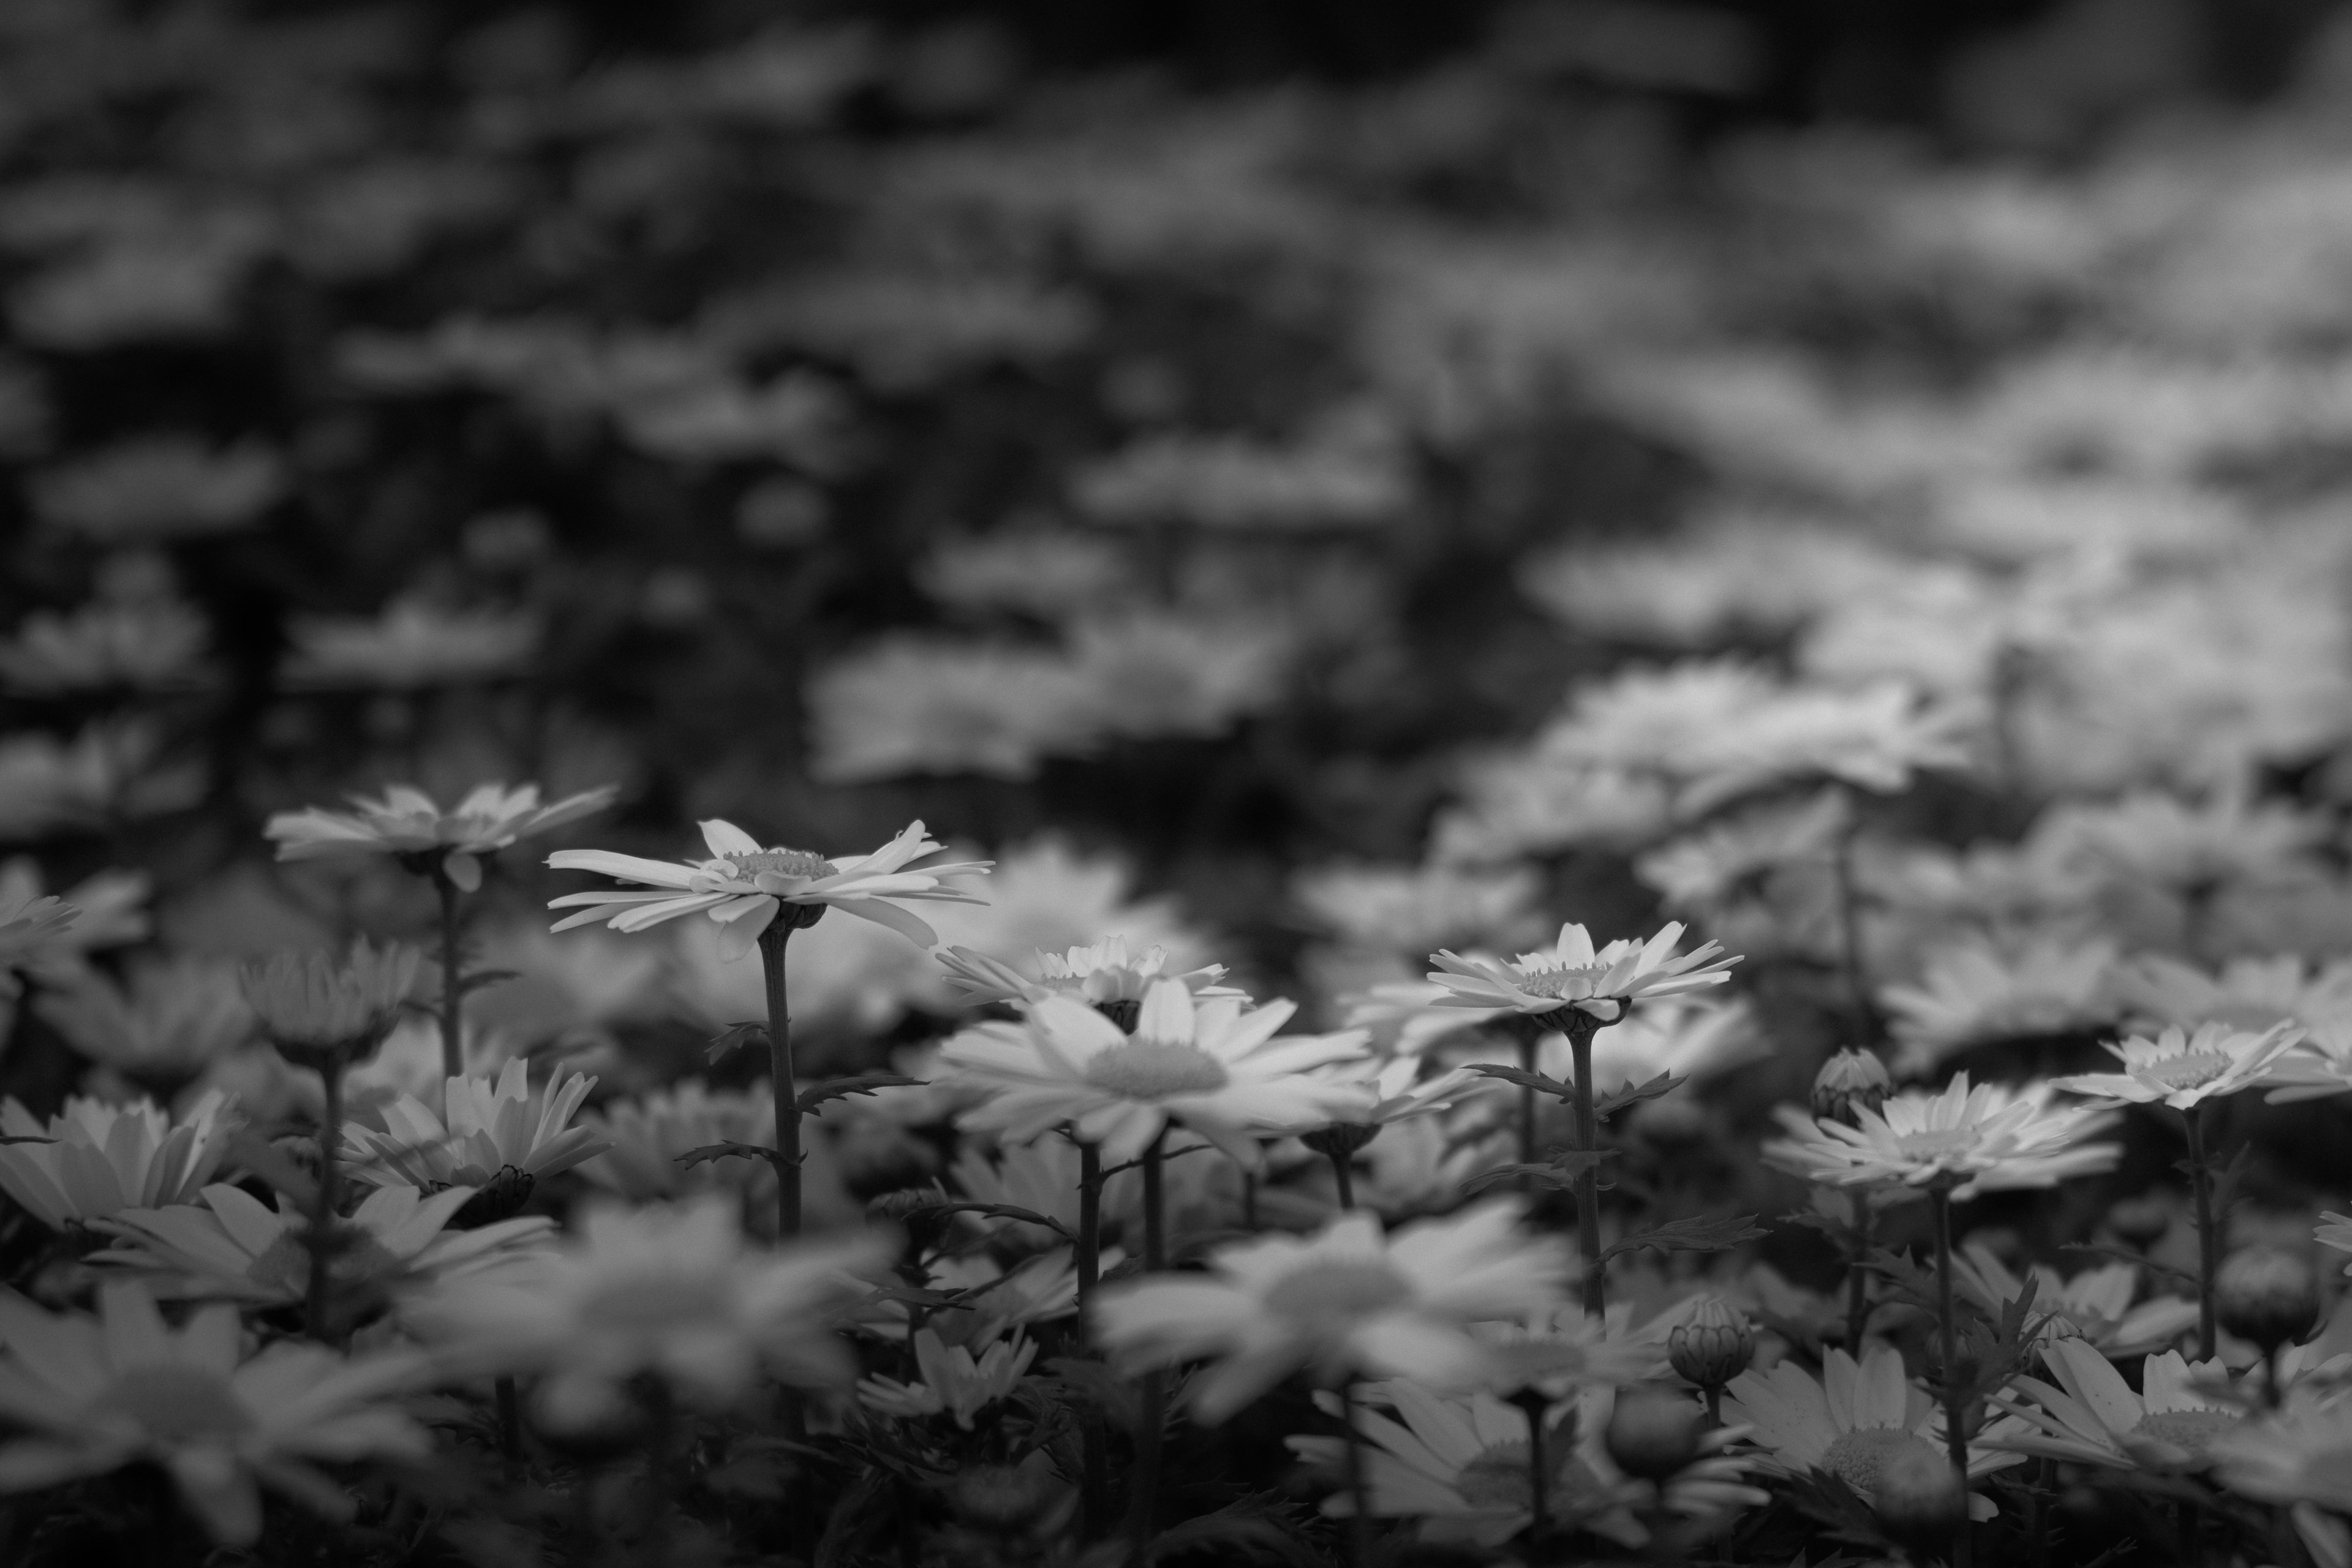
<point x="1431" y="1267"/>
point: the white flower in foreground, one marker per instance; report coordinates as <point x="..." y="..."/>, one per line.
<point x="93" y="1160"/>
<point x="2095" y="1305"/>
<point x="1099" y="973"/>
<point x="1852" y="1420"/>
<point x="408" y="822"/>
<point x="744" y="886"/>
<point x="670" y="1291"/>
<point x="954" y="1380"/>
<point x="2183" y="1070"/>
<point x="1210" y="1064"/>
<point x="1991" y="1138"/>
<point x="1459" y="1465"/>
<point x="1574" y="974"/>
<point x="93" y="1394"/>
<point x="2094" y="1418"/>
<point x="230" y="1245"/>
<point x="485" y="1128"/>
<point x="1347" y="1303"/>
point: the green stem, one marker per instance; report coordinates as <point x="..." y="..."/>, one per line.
<point x="453" y="990"/>
<point x="1089" y="1243"/>
<point x="1155" y="1202"/>
<point x="785" y="1085"/>
<point x="1581" y="1027"/>
<point x="322" y="1238"/>
<point x="1143" y="1499"/>
<point x="2208" y="1235"/>
<point x="509" y="1428"/>
<point x="1857" y="1280"/>
<point x="1344" y="1177"/>
<point x="1956" y="1438"/>
<point x="1532" y="1403"/>
<point x="1359" y="1496"/>
<point x="1530" y="1036"/>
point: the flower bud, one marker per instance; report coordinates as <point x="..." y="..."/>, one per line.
<point x="1919" y="1502"/>
<point x="1654" y="1431"/>
<point x="1001" y="1497"/>
<point x="1714" y="1346"/>
<point x="2266" y="1294"/>
<point x="1848" y="1082"/>
<point x="2143" y="1220"/>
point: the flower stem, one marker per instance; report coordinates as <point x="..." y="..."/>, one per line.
<point x="1858" y="1278"/>
<point x="1956" y="1436"/>
<point x="1528" y="1037"/>
<point x="321" y="1238"/>
<point x="1359" y="1496"/>
<point x="1581" y="1027"/>
<point x="786" y="1087"/>
<point x="1155" y="1202"/>
<point x="510" y="1427"/>
<point x="1848" y="921"/>
<point x="453" y="989"/>
<point x="1143" y="1496"/>
<point x="2208" y="1235"/>
<point x="1089" y="1242"/>
<point x="1532" y="1401"/>
<point x="1344" y="1178"/>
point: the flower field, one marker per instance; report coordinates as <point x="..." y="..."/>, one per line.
<point x="797" y="790"/>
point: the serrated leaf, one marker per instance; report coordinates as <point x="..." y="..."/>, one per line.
<point x="1538" y="1175"/>
<point x="736" y="1034"/>
<point x="1524" y="1080"/>
<point x="1000" y="1211"/>
<point x="1238" y="1532"/>
<point x="1848" y="1238"/>
<point x="816" y="1094"/>
<point x="1701" y="1233"/>
<point x="1608" y="1105"/>
<point x="729" y="1151"/>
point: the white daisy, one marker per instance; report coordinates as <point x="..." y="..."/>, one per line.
<point x="1574" y="974"/>
<point x="407" y="823"/>
<point x="485" y="1128"/>
<point x="2182" y="1069"/>
<point x="93" y="1160"/>
<point x="2096" y="1304"/>
<point x="954" y="1381"/>
<point x="1974" y="993"/>
<point x="2094" y="1417"/>
<point x="744" y="886"/>
<point x="1102" y="972"/>
<point x="1991" y="1138"/>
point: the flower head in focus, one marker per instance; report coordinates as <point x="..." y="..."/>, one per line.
<point x="406" y="822"/>
<point x="669" y="1291"/>
<point x="1574" y="974"/>
<point x="1347" y="1302"/>
<point x="744" y="886"/>
<point x="1989" y="1137"/>
<point x="1852" y="1420"/>
<point x="484" y="1130"/>
<point x="1100" y="972"/>
<point x="311" y="1003"/>
<point x="93" y="1160"/>
<point x="1219" y="1069"/>
<point x="954" y="1380"/>
<point x="2094" y="1418"/>
<point x="2182" y="1069"/>
<point x="92" y="1395"/>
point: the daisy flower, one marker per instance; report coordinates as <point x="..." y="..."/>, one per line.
<point x="1212" y="1064"/>
<point x="165" y="1023"/>
<point x="1852" y="1421"/>
<point x="1989" y="1137"/>
<point x="1102" y="973"/>
<point x="1458" y="1464"/>
<point x="744" y="886"/>
<point x="1393" y="1091"/>
<point x="2183" y="1070"/>
<point x="2249" y="992"/>
<point x="668" y="1290"/>
<point x="312" y="1003"/>
<point x="1346" y="1302"/>
<point x="1406" y="1016"/>
<point x="1576" y="975"/>
<point x="93" y="1160"/>
<point x="1974" y="993"/>
<point x="485" y="1128"/>
<point x="2095" y="1305"/>
<point x="30" y="926"/>
<point x="408" y="824"/>
<point x="1042" y="1177"/>
<point x="229" y="1246"/>
<point x="644" y="1136"/>
<point x="954" y="1380"/>
<point x="2094" y="1418"/>
<point x="1690" y="1038"/>
<point x="93" y="1394"/>
<point x="2156" y="837"/>
<point x="2294" y="1455"/>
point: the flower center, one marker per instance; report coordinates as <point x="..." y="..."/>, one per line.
<point x="173" y="1402"/>
<point x="2191" y="1069"/>
<point x="1497" y="1478"/>
<point x="1154" y="1069"/>
<point x="1935" y="1142"/>
<point x="782" y="863"/>
<point x="2190" y="1429"/>
<point x="1860" y="1457"/>
<point x="1565" y="984"/>
<point x="1347" y="1289"/>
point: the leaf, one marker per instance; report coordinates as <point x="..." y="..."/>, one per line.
<point x="482" y="977"/>
<point x="729" y="1150"/>
<point x="1524" y="1080"/>
<point x="1000" y="1211"/>
<point x="1831" y="1503"/>
<point x="1558" y="1172"/>
<point x="1245" y="1532"/>
<point x="736" y="1034"/>
<point x="816" y="1094"/>
<point x="1849" y="1239"/>
<point x="1701" y="1233"/>
<point x="1608" y="1105"/>
<point x="2182" y="1277"/>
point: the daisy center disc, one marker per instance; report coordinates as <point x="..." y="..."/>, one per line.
<point x="1154" y="1069"/>
<point x="1934" y="1142"/>
<point x="175" y="1403"/>
<point x="782" y="863"/>
<point x="1860" y="1457"/>
<point x="1344" y="1290"/>
<point x="2188" y="1429"/>
<point x="1562" y="985"/>
<point x="2192" y="1069"/>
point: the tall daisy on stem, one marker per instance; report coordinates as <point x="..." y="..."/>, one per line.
<point x="2192" y="1073"/>
<point x="1953" y="1144"/>
<point x="1575" y="988"/>
<point x="448" y="847"/>
<point x="760" y="895"/>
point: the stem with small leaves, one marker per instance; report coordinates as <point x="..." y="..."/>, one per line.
<point x="1529" y="1035"/>
<point x="1956" y="1436"/>
<point x="452" y="984"/>
<point x="2209" y="1234"/>
<point x="780" y="1065"/>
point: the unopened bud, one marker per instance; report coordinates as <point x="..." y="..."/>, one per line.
<point x="2143" y="1220"/>
<point x="1849" y="1081"/>
<point x="1654" y="1431"/>
<point x="1714" y="1346"/>
<point x="2266" y="1294"/>
<point x="1919" y="1502"/>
